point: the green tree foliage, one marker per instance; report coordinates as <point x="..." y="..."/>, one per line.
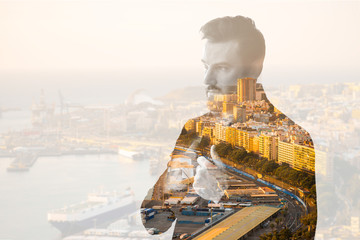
<point x="237" y="154"/>
<point x="187" y="138"/>
<point x="205" y="142"/>
<point x="282" y="116"/>
<point x="310" y="219"/>
<point x="313" y="191"/>
<point x="224" y="149"/>
<point x="183" y="131"/>
<point x="283" y="172"/>
<point x="284" y="234"/>
<point x="271" y="108"/>
<point x="306" y="232"/>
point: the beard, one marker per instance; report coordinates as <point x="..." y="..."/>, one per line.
<point x="212" y="91"/>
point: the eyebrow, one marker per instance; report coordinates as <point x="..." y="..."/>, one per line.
<point x="216" y="64"/>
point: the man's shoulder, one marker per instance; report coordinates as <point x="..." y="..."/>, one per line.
<point x="304" y="137"/>
<point x="208" y="114"/>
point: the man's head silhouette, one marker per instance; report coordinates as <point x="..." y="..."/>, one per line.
<point x="234" y="49"/>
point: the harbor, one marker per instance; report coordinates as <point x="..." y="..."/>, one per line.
<point x="59" y="181"/>
<point x="245" y="196"/>
<point x="25" y="158"/>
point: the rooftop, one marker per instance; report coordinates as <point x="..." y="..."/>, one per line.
<point x="239" y="224"/>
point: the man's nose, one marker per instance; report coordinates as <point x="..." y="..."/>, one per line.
<point x="210" y="78"/>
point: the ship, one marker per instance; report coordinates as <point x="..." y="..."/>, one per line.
<point x="99" y="209"/>
<point x="126" y="153"/>
<point x="17" y="167"/>
<point x="131" y="154"/>
<point x="22" y="162"/>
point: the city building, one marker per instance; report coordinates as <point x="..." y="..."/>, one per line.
<point x="227" y="108"/>
<point x="298" y="156"/>
<point x="246" y="89"/>
<point x="239" y="113"/>
<point x="268" y="146"/>
<point x="190" y="125"/>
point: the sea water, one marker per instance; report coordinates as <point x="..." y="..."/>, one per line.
<point x="55" y="182"/>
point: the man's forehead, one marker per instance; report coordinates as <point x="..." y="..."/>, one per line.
<point x="226" y="51"/>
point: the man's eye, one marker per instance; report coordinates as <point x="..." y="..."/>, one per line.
<point x="222" y="68"/>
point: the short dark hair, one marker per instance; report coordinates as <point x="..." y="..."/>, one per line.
<point x="240" y="29"/>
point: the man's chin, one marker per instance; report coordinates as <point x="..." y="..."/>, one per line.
<point x="211" y="94"/>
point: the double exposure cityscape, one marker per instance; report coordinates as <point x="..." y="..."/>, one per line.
<point x="260" y="154"/>
<point x="185" y="120"/>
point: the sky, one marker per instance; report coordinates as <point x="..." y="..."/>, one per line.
<point x="156" y="44"/>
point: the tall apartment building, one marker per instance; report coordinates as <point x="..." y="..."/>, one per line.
<point x="246" y="89"/>
<point x="304" y="158"/>
<point x="198" y="127"/>
<point x="240" y="138"/>
<point x="247" y="140"/>
<point x="208" y="132"/>
<point x="230" y="135"/>
<point x="268" y="147"/>
<point x="239" y="113"/>
<point x="298" y="156"/>
<point x="286" y="153"/>
<point x="253" y="143"/>
<point x="220" y="133"/>
<point x="227" y="108"/>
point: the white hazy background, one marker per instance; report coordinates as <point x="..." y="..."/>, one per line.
<point x="99" y="52"/>
<point x="71" y="45"/>
<point x="116" y="35"/>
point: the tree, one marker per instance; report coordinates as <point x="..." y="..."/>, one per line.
<point x="285" y="234"/>
<point x="223" y="149"/>
<point x="237" y="155"/>
<point x="271" y="108"/>
<point x="272" y="226"/>
<point x="205" y="141"/>
<point x="313" y="191"/>
<point x="188" y="138"/>
<point x="183" y="131"/>
<point x="277" y="220"/>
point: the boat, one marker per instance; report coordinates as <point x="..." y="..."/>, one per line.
<point x="131" y="154"/>
<point x="22" y="162"/>
<point x="17" y="167"/>
<point x="99" y="209"/>
<point x="126" y="153"/>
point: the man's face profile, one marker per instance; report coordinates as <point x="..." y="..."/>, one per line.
<point x="223" y="66"/>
